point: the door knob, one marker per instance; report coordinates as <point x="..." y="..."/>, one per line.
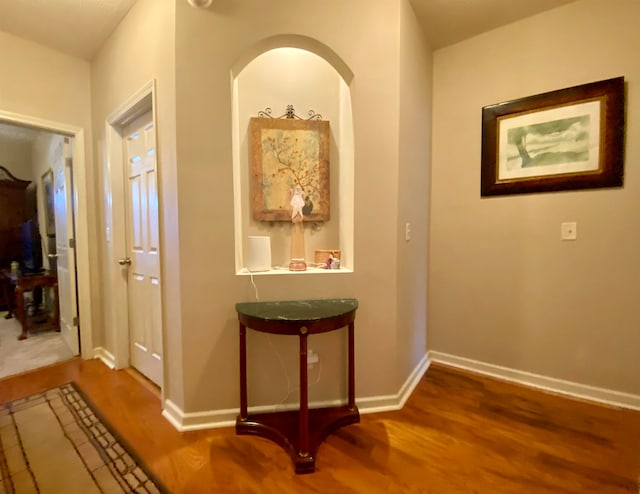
<point x="124" y="261"/>
<point x="52" y="256"/>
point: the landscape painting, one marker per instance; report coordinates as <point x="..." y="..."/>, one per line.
<point x="567" y="139"/>
<point x="559" y="141"/>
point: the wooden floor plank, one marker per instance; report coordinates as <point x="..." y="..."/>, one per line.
<point x="458" y="433"/>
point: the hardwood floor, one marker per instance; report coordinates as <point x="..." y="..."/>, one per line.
<point x="458" y="433"/>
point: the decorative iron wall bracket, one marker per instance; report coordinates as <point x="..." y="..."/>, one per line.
<point x="290" y="114"/>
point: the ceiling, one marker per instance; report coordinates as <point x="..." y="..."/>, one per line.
<point x="448" y="21"/>
<point x="76" y="27"/>
<point x="80" y="27"/>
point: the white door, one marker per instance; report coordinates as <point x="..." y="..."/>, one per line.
<point x="65" y="243"/>
<point x="144" y="293"/>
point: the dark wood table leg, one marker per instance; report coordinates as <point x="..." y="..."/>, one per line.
<point x="9" y="295"/>
<point x="351" y="370"/>
<point x="303" y="453"/>
<point x="10" y="303"/>
<point x="21" y="313"/>
<point x="243" y="372"/>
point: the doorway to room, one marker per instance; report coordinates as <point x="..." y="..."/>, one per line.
<point x="40" y="249"/>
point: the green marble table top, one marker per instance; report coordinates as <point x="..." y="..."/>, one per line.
<point x="298" y="310"/>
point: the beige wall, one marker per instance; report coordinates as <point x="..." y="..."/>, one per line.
<point x="140" y="50"/>
<point x="199" y="314"/>
<point x="15" y="156"/>
<point x="208" y="44"/>
<point x="414" y="161"/>
<point x="41" y="83"/>
<point x="503" y="288"/>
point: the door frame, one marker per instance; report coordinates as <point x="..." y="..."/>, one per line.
<point x="140" y="102"/>
<point x="80" y="212"/>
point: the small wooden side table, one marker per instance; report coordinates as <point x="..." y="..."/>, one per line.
<point x="299" y="432"/>
<point x="28" y="283"/>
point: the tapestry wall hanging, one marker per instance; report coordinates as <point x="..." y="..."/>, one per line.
<point x="289" y="168"/>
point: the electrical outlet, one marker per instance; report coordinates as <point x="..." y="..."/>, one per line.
<point x="407" y="231"/>
<point x="569" y="231"/>
<point x="312" y="357"/>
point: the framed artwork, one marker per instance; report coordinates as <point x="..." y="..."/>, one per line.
<point x="47" y="201"/>
<point x="289" y="168"/>
<point x="562" y="140"/>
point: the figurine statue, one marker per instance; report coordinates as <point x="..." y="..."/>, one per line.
<point x="297" y="202"/>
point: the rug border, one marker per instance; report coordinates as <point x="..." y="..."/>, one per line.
<point x="134" y="454"/>
<point x="162" y="488"/>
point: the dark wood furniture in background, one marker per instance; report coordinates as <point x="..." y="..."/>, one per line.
<point x="13" y="212"/>
<point x="30" y="283"/>
<point x="8" y="282"/>
<point x="298" y="432"/>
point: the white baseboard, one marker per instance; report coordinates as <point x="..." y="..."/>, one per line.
<point x="227" y="417"/>
<point x="106" y="356"/>
<point x="224" y="418"/>
<point x="198" y="420"/>
<point x="388" y="403"/>
<point x="569" y="388"/>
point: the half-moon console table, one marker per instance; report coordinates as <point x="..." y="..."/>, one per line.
<point x="299" y="432"/>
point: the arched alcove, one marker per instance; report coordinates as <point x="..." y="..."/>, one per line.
<point x="275" y="76"/>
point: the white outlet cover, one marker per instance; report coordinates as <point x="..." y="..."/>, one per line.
<point x="312" y="357"/>
<point x="569" y="230"/>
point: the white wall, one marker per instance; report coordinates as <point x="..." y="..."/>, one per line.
<point x="45" y="85"/>
<point x="503" y="288"/>
<point x="209" y="44"/>
<point x="141" y="49"/>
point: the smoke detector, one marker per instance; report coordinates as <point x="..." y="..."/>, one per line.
<point x="200" y="4"/>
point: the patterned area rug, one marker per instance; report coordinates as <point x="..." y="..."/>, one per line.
<point x="53" y="442"/>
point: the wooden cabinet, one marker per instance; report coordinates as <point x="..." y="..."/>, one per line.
<point x="13" y="212"/>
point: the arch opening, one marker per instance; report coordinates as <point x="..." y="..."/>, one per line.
<point x="274" y="75"/>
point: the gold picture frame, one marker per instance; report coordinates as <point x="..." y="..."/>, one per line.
<point x="289" y="157"/>
<point x="48" y="203"/>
